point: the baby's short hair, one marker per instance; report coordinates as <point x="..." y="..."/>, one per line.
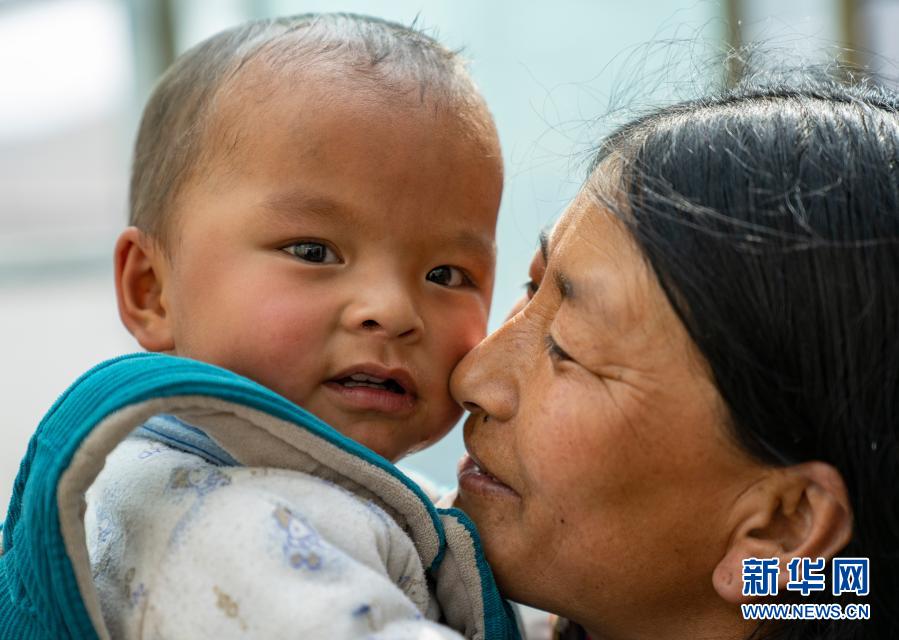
<point x="172" y="140"/>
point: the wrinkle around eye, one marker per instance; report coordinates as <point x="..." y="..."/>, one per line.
<point x="606" y="371"/>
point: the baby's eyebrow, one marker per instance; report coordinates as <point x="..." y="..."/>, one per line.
<point x="474" y="243"/>
<point x="291" y="203"/>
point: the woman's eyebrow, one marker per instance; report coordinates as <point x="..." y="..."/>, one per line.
<point x="562" y="281"/>
<point x="563" y="284"/>
<point x="544" y="245"/>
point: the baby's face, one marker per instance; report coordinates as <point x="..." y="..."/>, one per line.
<point x="341" y="253"/>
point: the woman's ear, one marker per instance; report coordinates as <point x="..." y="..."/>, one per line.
<point x="799" y="511"/>
<point x="141" y="270"/>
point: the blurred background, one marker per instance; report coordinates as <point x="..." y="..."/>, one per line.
<point x="74" y="75"/>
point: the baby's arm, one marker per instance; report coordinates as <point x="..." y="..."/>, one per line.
<point x="238" y="552"/>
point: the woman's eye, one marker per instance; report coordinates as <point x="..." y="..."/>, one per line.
<point x="530" y="288"/>
<point x="555" y="351"/>
<point x="313" y="252"/>
<point x="447" y="276"/>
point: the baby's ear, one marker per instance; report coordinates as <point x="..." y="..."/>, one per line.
<point x="140" y="273"/>
<point x="800" y="511"/>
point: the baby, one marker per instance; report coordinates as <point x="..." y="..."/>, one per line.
<point x="313" y="203"/>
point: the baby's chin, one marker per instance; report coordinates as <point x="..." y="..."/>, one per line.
<point x="391" y="434"/>
<point x="393" y="439"/>
<point x="387" y="441"/>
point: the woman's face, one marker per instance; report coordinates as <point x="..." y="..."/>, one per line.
<point x="600" y="474"/>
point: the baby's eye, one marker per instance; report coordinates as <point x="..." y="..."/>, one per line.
<point x="530" y="288"/>
<point x="313" y="252"/>
<point x="447" y="276"/>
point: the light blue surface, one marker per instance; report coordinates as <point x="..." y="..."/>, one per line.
<point x="178" y="434"/>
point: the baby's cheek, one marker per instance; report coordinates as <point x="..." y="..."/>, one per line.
<point x="278" y="344"/>
<point x="467" y="331"/>
<point x="455" y="335"/>
<point x="290" y="322"/>
<point x="457" y="341"/>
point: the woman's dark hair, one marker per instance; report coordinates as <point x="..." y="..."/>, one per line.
<point x="770" y="216"/>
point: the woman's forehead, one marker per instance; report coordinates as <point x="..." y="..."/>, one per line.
<point x="589" y="231"/>
<point x="601" y="274"/>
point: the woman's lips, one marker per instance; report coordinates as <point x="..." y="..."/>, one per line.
<point x="476" y="480"/>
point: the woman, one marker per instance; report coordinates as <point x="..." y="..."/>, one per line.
<point x="706" y="371"/>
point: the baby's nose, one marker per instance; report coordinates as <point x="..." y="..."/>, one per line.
<point x="373" y="325"/>
<point x="390" y="312"/>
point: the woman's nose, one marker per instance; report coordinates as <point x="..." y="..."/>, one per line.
<point x="486" y="381"/>
<point x="385" y="309"/>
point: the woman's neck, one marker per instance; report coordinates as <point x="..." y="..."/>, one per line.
<point x="717" y="624"/>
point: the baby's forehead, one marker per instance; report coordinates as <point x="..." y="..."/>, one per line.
<point x="300" y="95"/>
<point x="318" y="80"/>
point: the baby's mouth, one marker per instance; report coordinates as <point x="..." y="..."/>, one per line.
<point x="365" y="380"/>
<point x="374" y="387"/>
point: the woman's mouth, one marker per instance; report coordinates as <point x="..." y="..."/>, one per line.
<point x="475" y="479"/>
